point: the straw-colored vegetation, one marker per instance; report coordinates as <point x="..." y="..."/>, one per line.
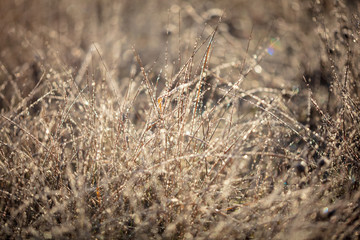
<point x="179" y="120"/>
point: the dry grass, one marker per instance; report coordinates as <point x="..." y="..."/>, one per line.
<point x="138" y="120"/>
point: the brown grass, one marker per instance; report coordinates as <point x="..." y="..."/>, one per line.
<point x="145" y="120"/>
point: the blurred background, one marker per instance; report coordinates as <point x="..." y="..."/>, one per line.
<point x="155" y="27"/>
<point x="279" y="38"/>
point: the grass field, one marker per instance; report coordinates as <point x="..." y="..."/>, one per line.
<point x="179" y="119"/>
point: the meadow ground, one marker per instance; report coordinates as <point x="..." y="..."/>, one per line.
<point x="179" y="119"/>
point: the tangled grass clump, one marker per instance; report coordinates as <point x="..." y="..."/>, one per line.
<point x="222" y="129"/>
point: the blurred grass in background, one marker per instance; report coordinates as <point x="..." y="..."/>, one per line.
<point x="127" y="120"/>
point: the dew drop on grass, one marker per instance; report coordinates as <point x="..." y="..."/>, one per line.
<point x="325" y="210"/>
<point x="258" y="69"/>
<point x="295" y="89"/>
<point x="47" y="235"/>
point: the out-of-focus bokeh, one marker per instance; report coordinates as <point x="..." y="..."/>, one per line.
<point x="69" y="28"/>
<point x="164" y="33"/>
